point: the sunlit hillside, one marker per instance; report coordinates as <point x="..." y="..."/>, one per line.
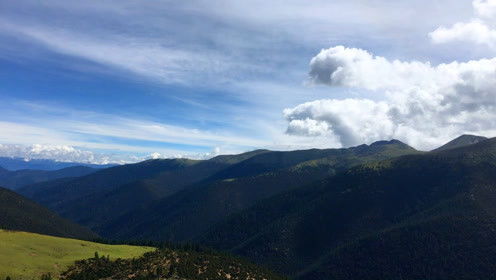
<point x="27" y="255"/>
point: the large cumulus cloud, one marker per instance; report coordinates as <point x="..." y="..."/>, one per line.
<point x="479" y="30"/>
<point x="423" y="104"/>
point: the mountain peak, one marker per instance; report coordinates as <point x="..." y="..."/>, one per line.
<point x="463" y="140"/>
<point x="387" y="142"/>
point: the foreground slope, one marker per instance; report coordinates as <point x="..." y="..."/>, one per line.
<point x="27" y="255"/>
<point x="166" y="263"/>
<point x="430" y="216"/>
<point x="20" y="213"/>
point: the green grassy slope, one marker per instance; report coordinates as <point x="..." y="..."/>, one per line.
<point x="28" y="255"/>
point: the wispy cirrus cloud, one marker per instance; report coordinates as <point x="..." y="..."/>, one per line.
<point x="144" y="58"/>
<point x="100" y="131"/>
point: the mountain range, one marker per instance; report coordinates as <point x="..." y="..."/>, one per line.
<point x="175" y="199"/>
<point x="16" y="163"/>
<point x="425" y="216"/>
<point x="378" y="211"/>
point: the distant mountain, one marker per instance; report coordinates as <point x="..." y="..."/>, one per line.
<point x="68" y="191"/>
<point x="10" y="163"/>
<point x="21" y="214"/>
<point x="95" y="199"/>
<point x="15" y="179"/>
<point x="271" y="161"/>
<point x="98" y="198"/>
<point x="3" y="172"/>
<point x="424" y="216"/>
<point x="461" y="141"/>
<point x="107" y="204"/>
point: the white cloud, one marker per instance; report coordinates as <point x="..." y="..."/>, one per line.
<point x="155" y="155"/>
<point x="477" y="31"/>
<point x="64" y="153"/>
<point x="54" y="152"/>
<point x="354" y="121"/>
<point x="305" y="126"/>
<point x="216" y="151"/>
<point x="424" y="105"/>
<point x="485" y="8"/>
<point x="357" y="68"/>
<point x="198" y="156"/>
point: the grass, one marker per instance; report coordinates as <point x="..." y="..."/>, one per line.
<point x="28" y="255"/>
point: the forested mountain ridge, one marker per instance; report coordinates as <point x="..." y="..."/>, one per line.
<point x="108" y="193"/>
<point x="186" y="214"/>
<point x="53" y="193"/>
<point x="159" y="194"/>
<point x="395" y="217"/>
<point x="277" y="160"/>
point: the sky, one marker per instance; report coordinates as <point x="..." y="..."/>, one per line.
<point x="122" y="81"/>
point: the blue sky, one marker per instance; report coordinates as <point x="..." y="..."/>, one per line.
<point x="195" y="78"/>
